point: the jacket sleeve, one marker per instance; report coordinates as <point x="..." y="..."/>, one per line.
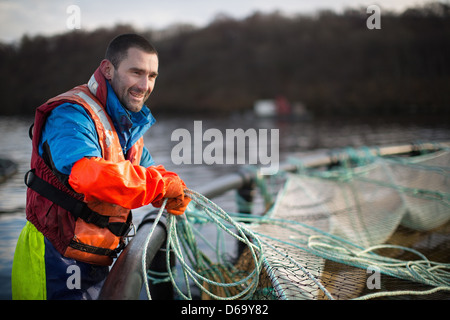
<point x="69" y="125"/>
<point x="130" y="186"/>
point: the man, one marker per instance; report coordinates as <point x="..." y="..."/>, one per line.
<point x="89" y="168"/>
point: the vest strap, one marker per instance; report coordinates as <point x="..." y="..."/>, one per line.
<point x="77" y="208"/>
<point x="96" y="250"/>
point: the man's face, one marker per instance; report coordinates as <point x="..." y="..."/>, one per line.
<point x="134" y="79"/>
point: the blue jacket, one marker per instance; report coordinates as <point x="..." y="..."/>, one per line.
<point x="71" y="135"/>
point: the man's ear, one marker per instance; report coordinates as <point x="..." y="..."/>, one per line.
<point x="107" y="69"/>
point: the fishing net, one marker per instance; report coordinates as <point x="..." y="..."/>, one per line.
<point x="369" y="227"/>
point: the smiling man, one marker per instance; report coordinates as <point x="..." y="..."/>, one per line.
<point x="89" y="168"/>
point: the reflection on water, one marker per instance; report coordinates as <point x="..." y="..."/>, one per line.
<point x="294" y="137"/>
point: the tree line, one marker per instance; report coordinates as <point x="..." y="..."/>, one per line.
<point x="331" y="62"/>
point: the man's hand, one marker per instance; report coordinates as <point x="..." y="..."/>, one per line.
<point x="174" y="192"/>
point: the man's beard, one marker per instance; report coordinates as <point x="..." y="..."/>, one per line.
<point x="126" y="97"/>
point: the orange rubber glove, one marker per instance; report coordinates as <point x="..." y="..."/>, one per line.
<point x="180" y="209"/>
<point x="174" y="192"/>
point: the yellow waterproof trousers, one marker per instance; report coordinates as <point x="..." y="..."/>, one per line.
<point x="28" y="270"/>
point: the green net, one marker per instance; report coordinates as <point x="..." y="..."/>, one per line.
<point x="369" y="227"/>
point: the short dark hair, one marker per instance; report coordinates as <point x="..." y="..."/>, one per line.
<point x="118" y="47"/>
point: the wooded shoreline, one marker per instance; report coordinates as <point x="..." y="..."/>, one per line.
<point x="332" y="63"/>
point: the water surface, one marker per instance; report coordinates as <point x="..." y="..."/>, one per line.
<point x="294" y="137"/>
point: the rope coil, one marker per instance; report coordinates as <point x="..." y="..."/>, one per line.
<point x="181" y="241"/>
<point x="422" y="270"/>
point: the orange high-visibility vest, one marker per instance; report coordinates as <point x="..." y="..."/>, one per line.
<point x="83" y="239"/>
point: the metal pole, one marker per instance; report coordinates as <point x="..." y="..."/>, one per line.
<point x="313" y="160"/>
<point x="126" y="278"/>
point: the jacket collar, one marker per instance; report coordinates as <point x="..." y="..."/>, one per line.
<point x="97" y="86"/>
<point x="123" y="119"/>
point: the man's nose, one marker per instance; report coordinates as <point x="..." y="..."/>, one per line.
<point x="144" y="84"/>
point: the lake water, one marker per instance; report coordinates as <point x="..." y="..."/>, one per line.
<point x="294" y="137"/>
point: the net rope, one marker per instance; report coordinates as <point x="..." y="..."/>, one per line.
<point x="323" y="234"/>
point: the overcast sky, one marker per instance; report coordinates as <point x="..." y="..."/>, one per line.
<point x="47" y="17"/>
